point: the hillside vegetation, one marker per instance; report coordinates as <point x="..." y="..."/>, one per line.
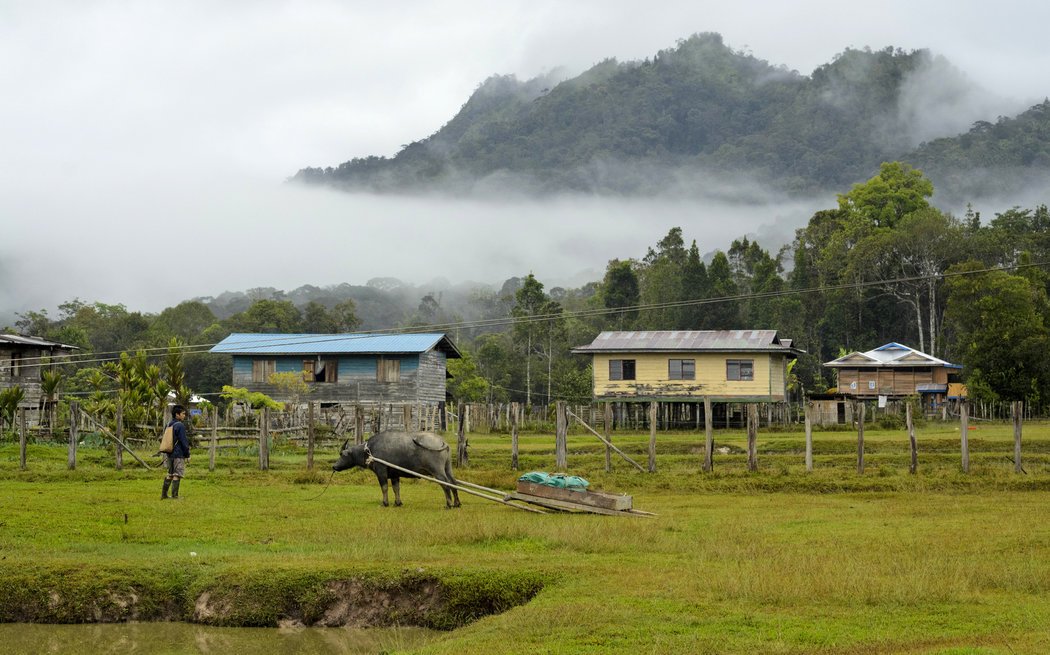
<point x="700" y="114"/>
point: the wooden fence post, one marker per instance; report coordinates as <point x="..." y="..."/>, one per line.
<point x="1018" y="418"/>
<point x="22" y="438"/>
<point x="406" y="414"/>
<point x="561" y="435"/>
<point x="964" y="434"/>
<point x="310" y="435"/>
<point x="914" y="467"/>
<point x="514" y="436"/>
<point x="264" y="439"/>
<point x="809" y="436"/>
<point x="74" y="416"/>
<point x="608" y="436"/>
<point x="214" y="439"/>
<point x="461" y="437"/>
<point x="752" y="436"/>
<point x="860" y="436"/>
<point x="359" y="424"/>
<point x="653" y="414"/>
<point x="120" y="435"/>
<point x="709" y="435"/>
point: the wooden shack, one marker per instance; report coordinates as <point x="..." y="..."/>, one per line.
<point x="895" y="371"/>
<point x="340" y="368"/>
<point x="23" y="359"/>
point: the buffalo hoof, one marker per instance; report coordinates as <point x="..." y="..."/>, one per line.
<point x="397" y="504"/>
<point x="386" y="504"/>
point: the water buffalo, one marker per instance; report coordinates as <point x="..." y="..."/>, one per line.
<point x="422" y="452"/>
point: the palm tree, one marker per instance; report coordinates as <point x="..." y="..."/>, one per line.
<point x="50" y="383"/>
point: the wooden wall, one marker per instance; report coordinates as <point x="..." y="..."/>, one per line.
<point x="422" y="378"/>
<point x="652" y="381"/>
<point x="888" y="381"/>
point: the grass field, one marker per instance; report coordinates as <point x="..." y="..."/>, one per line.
<point x="777" y="561"/>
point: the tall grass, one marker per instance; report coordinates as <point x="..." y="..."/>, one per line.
<point x="778" y="561"/>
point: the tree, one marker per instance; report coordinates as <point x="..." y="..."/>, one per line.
<point x="999" y="326"/>
<point x="694" y="287"/>
<point x="175" y="373"/>
<point x="185" y="321"/>
<point x="268" y="316"/>
<point x="253" y="399"/>
<point x="317" y="320"/>
<point x="467" y="383"/>
<point x="9" y="401"/>
<point x="551" y="332"/>
<point x="50" y="384"/>
<point x="345" y="315"/>
<point x="494" y="362"/>
<point x="619" y="290"/>
<point x="907" y="263"/>
<point x="291" y="385"/>
<point x="885" y="199"/>
<point x="721" y="315"/>
<point x="661" y="282"/>
<point x="529" y="305"/>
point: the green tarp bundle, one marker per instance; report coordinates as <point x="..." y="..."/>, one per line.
<point x="557" y="480"/>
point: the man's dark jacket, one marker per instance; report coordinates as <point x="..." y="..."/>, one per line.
<point x="180" y="442"/>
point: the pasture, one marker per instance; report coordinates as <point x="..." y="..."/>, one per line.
<point x="777" y="561"/>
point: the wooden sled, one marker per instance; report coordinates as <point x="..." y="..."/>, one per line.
<point x="567" y="500"/>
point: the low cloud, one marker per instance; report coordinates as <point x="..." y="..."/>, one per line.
<point x="152" y="247"/>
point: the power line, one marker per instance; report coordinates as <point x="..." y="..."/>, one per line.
<point x="285" y="340"/>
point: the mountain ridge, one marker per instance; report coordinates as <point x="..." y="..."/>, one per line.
<point x="690" y="113"/>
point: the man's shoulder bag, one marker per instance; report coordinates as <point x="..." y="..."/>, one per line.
<point x="167" y="440"/>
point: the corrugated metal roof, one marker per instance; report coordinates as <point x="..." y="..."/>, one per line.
<point x="691" y="340"/>
<point x="889" y="355"/>
<point x="34" y="341"/>
<point x="308" y="344"/>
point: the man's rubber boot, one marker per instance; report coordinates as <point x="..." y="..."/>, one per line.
<point x="164" y="494"/>
<point x="175" y="489"/>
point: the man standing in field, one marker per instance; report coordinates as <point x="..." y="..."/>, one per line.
<point x="180" y="453"/>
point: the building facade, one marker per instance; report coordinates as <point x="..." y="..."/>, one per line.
<point x="385" y="368"/>
<point x="23" y="361"/>
<point x="689" y="365"/>
<point x="895" y="371"/>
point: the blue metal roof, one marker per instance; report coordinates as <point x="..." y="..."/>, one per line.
<point x="310" y="344"/>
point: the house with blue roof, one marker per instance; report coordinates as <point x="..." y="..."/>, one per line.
<point x="896" y="371"/>
<point x="392" y="368"/>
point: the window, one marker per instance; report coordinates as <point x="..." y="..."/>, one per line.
<point x="329" y="371"/>
<point x="16" y="364"/>
<point x="621" y="369"/>
<point x="262" y="369"/>
<point x="308" y="370"/>
<point x="388" y="370"/>
<point x="681" y="369"/>
<point x="740" y="369"/>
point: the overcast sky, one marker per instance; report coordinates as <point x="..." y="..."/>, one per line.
<point x="130" y="128"/>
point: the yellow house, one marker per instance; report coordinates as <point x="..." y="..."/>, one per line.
<point x="688" y="365"/>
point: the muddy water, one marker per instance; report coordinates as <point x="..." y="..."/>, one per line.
<point x="186" y="638"/>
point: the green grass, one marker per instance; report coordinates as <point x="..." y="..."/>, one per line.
<point x="777" y="561"/>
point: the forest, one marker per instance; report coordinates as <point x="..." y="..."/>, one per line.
<point x="883" y="265"/>
<point x="701" y="111"/>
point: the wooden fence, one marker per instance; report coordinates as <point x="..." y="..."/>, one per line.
<point x="320" y="428"/>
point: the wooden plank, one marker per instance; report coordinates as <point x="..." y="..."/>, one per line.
<point x="607" y="443"/>
<point x="574" y="507"/>
<point x="589" y="498"/>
